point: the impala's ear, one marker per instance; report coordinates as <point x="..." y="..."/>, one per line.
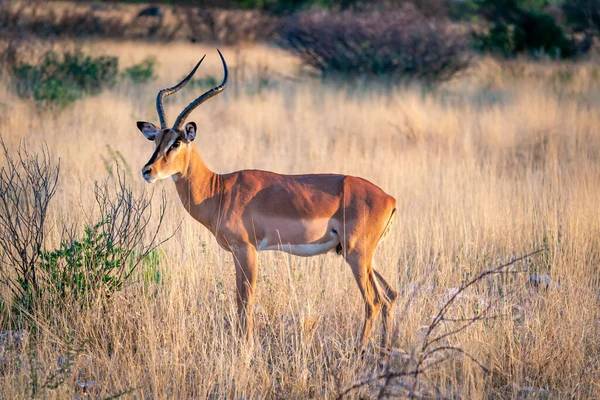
<point x="189" y="133"/>
<point x="149" y="130"/>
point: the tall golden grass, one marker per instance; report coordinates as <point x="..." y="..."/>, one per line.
<point x="499" y="162"/>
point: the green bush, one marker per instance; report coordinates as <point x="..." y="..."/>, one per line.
<point x="93" y="267"/>
<point x="142" y="72"/>
<point x="498" y="40"/>
<point x="56" y="91"/>
<point x="96" y="265"/>
<point x="59" y="80"/>
<point x="151" y="272"/>
<point x="203" y="83"/>
<point x="521" y="26"/>
<point x="82" y="268"/>
<point x="582" y="15"/>
<point x="62" y="79"/>
<point x="28" y="182"/>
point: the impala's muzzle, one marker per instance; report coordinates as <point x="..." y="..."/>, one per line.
<point x="147" y="173"/>
<point x="149" y="170"/>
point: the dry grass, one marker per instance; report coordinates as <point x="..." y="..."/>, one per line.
<point x="500" y="162"/>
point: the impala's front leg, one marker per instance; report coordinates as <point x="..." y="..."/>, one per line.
<point x="245" y="258"/>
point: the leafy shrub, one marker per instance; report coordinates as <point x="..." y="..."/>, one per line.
<point x="151" y="273"/>
<point x="521" y="26"/>
<point x="83" y="269"/>
<point x="62" y="79"/>
<point x="94" y="266"/>
<point x="203" y="83"/>
<point x="97" y="265"/>
<point x="79" y="267"/>
<point x="401" y="43"/>
<point x="59" y="80"/>
<point x="582" y="15"/>
<point x="56" y="91"/>
<point x="142" y="72"/>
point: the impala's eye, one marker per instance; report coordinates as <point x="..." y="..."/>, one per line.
<point x="175" y="145"/>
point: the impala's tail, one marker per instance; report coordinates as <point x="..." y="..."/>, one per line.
<point x="386" y="230"/>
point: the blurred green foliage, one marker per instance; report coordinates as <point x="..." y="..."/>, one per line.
<point x="521" y="26"/>
<point x="582" y="15"/>
<point x="60" y="79"/>
<point x="142" y="72"/>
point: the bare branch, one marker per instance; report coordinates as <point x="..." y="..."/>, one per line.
<point x="423" y="359"/>
<point x="28" y="181"/>
<point x="494" y="271"/>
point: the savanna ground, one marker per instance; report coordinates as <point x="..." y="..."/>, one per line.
<point x="492" y="165"/>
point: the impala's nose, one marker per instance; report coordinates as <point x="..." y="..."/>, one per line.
<point x="146" y="172"/>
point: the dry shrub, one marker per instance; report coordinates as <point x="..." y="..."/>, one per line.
<point x="89" y="23"/>
<point x="231" y="26"/>
<point x="95" y="265"/>
<point x="127" y="21"/>
<point x="453" y="316"/>
<point x="396" y="42"/>
<point x="9" y="52"/>
<point x="81" y="270"/>
<point x="28" y="182"/>
<point x="41" y="20"/>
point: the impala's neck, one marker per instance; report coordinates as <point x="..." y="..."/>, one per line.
<point x="198" y="189"/>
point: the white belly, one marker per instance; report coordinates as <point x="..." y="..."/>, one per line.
<point x="302" y="249"/>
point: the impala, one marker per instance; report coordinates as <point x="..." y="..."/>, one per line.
<point x="250" y="211"/>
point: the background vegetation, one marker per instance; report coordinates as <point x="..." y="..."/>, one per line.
<point x="491" y="150"/>
<point x="551" y="28"/>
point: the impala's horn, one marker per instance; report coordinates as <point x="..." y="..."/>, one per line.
<point x="211" y="93"/>
<point x="169" y="91"/>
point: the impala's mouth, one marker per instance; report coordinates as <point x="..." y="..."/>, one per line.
<point x="147" y="175"/>
<point x="148" y="178"/>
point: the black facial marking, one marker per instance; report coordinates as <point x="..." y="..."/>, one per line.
<point x="155" y="154"/>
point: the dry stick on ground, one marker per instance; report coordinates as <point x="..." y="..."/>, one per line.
<point x="426" y="352"/>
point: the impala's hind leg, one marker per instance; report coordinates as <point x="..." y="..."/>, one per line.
<point x="361" y="265"/>
<point x="246" y="271"/>
<point x="388" y="310"/>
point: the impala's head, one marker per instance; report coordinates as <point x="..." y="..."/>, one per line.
<point x="173" y="144"/>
